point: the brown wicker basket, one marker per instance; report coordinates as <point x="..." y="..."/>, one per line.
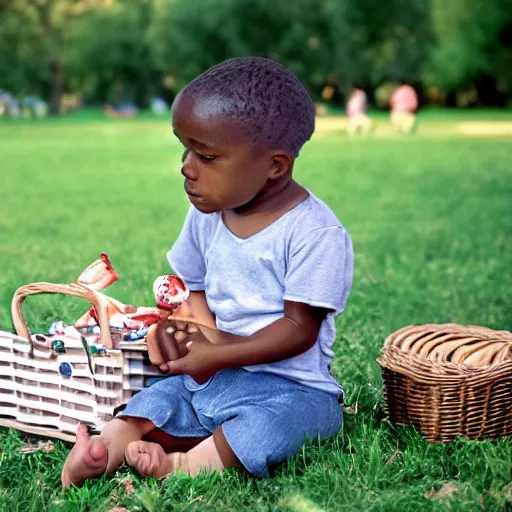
<point x="34" y="394"/>
<point x="449" y="380"/>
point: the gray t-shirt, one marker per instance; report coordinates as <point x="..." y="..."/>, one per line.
<point x="304" y="256"/>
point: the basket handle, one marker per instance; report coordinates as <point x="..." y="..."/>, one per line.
<point x="97" y="300"/>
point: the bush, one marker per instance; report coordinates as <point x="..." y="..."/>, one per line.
<point x="383" y="93"/>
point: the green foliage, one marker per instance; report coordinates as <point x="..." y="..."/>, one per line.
<point x="114" y="50"/>
<point x="22" y="52"/>
<point x="430" y="219"/>
<point x="472" y="38"/>
<point x="351" y="41"/>
<point x="188" y="37"/>
<point x="373" y="42"/>
<point x="118" y="65"/>
<point x="383" y="94"/>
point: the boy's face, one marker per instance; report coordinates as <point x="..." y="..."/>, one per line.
<point x="221" y="167"/>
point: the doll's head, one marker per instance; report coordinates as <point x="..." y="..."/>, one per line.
<point x="170" y="291"/>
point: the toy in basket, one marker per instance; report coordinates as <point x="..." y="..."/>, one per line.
<point x="85" y="373"/>
<point x="449" y="380"/>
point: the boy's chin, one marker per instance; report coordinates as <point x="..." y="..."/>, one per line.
<point x="204" y="208"/>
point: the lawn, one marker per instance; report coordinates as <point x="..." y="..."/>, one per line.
<point x="431" y="220"/>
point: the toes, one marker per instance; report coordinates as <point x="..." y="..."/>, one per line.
<point x="145" y="457"/>
<point x="131" y="453"/>
<point x="87" y="459"/>
<point x="136" y="455"/>
<point x="98" y="451"/>
<point x="142" y="462"/>
<point x="64" y="479"/>
<point x="82" y="434"/>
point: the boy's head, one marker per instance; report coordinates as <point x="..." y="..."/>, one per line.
<point x="264" y="97"/>
<point x="245" y="118"/>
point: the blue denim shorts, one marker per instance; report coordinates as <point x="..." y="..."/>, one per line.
<point x="265" y="418"/>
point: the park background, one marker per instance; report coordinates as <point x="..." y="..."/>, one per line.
<point x="429" y="213"/>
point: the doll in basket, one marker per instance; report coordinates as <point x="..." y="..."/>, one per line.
<point x="132" y="323"/>
<point x="273" y="265"/>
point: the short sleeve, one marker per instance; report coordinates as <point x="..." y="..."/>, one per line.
<point x="186" y="257"/>
<point x="320" y="269"/>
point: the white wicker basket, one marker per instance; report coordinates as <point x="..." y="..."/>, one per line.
<point x="36" y="396"/>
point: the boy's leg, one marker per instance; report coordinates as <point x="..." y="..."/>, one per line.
<point x="211" y="454"/>
<point x="265" y="419"/>
<point x="95" y="456"/>
<point x="170" y="443"/>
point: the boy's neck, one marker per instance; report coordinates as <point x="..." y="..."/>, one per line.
<point x="264" y="209"/>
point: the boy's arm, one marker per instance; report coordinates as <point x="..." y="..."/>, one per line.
<point x="289" y="336"/>
<point x="197" y="309"/>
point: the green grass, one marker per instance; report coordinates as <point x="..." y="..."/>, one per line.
<point x="431" y="220"/>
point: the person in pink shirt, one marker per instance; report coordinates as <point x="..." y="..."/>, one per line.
<point x="358" y="121"/>
<point x="404" y="103"/>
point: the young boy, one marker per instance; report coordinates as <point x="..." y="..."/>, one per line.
<point x="274" y="266"/>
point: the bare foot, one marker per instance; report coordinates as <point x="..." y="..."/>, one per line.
<point x="149" y="459"/>
<point x="87" y="459"/>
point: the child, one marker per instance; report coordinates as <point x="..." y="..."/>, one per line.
<point x="404" y="103"/>
<point x="274" y="266"/>
<point x="358" y="121"/>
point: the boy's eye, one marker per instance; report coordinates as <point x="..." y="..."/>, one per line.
<point x="205" y="158"/>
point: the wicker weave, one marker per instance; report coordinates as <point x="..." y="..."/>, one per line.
<point x="35" y="397"/>
<point x="449" y="380"/>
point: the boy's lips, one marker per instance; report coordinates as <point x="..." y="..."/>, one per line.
<point x="189" y="192"/>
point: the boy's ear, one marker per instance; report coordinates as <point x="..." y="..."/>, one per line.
<point x="281" y="163"/>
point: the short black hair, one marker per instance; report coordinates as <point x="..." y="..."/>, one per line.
<point x="266" y="98"/>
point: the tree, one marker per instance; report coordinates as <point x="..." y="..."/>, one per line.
<point x="374" y="42"/>
<point x="44" y="22"/>
<point x="116" y="66"/>
<point x="472" y="38"/>
<point x="188" y="37"/>
<point x="22" y="69"/>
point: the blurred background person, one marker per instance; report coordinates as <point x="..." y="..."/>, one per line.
<point x="403" y="103"/>
<point x="123" y="110"/>
<point x="358" y="121"/>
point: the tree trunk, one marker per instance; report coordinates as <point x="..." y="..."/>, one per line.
<point x="56" y="82"/>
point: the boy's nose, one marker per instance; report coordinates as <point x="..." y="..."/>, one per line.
<point x="188" y="171"/>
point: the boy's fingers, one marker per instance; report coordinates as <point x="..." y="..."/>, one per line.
<point x="154" y="353"/>
<point x="164" y="367"/>
<point x="167" y="342"/>
<point x="175" y="367"/>
<point x="180" y="336"/>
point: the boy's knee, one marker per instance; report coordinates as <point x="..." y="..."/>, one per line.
<point x="227" y="455"/>
<point x="142" y="425"/>
<point x="263" y="441"/>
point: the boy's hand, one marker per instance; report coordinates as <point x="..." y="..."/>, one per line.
<point x="170" y="340"/>
<point x="162" y="342"/>
<point x="201" y="361"/>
